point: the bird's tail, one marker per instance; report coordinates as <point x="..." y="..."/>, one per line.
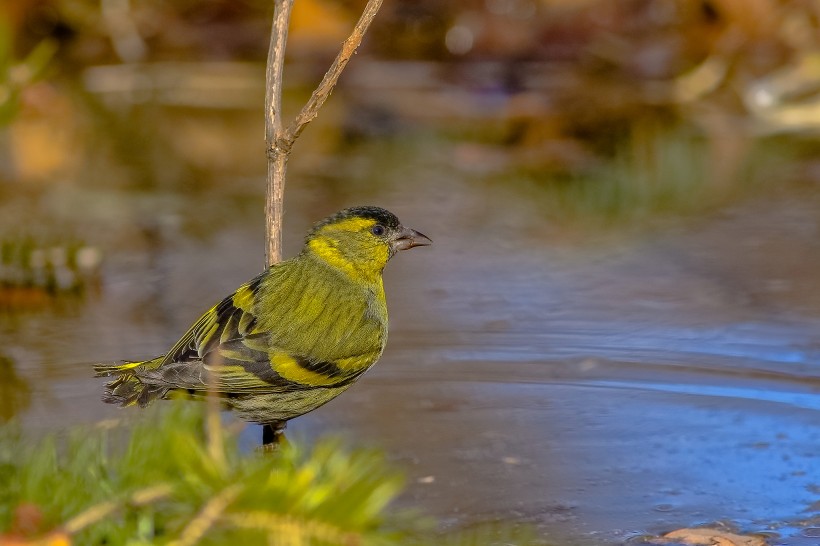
<point x="127" y="388"/>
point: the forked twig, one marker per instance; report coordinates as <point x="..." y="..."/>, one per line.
<point x="278" y="140"/>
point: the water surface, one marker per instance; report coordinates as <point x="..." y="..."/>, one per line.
<point x="598" y="385"/>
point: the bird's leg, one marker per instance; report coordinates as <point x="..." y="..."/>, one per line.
<point x="272" y="434"/>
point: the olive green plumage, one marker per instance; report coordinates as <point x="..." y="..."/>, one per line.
<point x="291" y="339"/>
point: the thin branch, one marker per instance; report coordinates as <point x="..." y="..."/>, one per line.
<point x="278" y="141"/>
<point x="277" y="167"/>
<point x="325" y="88"/>
<point x="275" y="67"/>
<point x="207" y="516"/>
<point x="277" y="158"/>
<point x="103" y="510"/>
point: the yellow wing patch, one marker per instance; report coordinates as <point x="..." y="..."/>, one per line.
<point x="244" y="298"/>
<point x="358" y="362"/>
<point x="288" y="368"/>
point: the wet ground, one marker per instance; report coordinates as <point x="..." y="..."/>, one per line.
<point x="600" y="385"/>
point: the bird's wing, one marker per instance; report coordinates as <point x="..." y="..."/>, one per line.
<point x="224" y="352"/>
<point x="231" y="319"/>
<point x="235" y="367"/>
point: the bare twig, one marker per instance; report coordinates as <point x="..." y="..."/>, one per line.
<point x="277" y="157"/>
<point x="278" y="141"/>
<point x="103" y="510"/>
<point x="203" y="521"/>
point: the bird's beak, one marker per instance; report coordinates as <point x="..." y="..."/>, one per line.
<point x="408" y="238"/>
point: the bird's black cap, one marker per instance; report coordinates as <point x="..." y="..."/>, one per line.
<point x="380" y="215"/>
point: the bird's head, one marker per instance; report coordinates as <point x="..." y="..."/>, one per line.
<point x="360" y="240"/>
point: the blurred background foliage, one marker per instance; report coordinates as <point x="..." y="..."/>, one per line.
<point x="612" y="112"/>
<point x="571" y="95"/>
<point x="551" y="87"/>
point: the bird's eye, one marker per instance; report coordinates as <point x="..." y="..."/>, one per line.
<point x="377" y="230"/>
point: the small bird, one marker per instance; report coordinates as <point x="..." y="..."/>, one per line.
<point x="293" y="338"/>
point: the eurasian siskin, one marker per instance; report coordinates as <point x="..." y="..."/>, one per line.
<point x="291" y="339"/>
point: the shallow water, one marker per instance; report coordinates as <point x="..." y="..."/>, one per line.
<point x="603" y="388"/>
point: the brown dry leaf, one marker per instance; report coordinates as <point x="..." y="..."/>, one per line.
<point x="709" y="537"/>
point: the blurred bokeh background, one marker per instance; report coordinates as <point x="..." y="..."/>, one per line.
<point x="616" y="331"/>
